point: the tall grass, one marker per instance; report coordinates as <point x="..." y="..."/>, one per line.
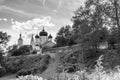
<point x="98" y="73"/>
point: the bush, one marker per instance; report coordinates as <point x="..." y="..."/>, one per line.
<point x="99" y="73"/>
<point x="24" y="73"/>
<point x="29" y="77"/>
<point x="17" y="52"/>
<point x="23" y="50"/>
<point x="2" y="71"/>
<point x="34" y="65"/>
<point x="34" y="52"/>
<point x="13" y="65"/>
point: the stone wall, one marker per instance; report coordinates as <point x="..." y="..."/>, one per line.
<point x="62" y="49"/>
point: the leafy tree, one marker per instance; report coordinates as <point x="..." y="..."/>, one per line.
<point x="113" y="38"/>
<point x="64" y="37"/>
<point x="89" y="26"/>
<point x="23" y="50"/>
<point x="4" y="38"/>
<point x="111" y="17"/>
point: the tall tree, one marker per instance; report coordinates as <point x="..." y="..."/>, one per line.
<point x="89" y="25"/>
<point x="64" y="36"/>
<point x="111" y="15"/>
<point x="4" y="38"/>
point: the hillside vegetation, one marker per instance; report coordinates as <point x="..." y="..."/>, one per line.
<point x="25" y="65"/>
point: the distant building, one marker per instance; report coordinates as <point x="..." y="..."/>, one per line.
<point x="41" y="40"/>
<point x="20" y="41"/>
<point x="38" y="41"/>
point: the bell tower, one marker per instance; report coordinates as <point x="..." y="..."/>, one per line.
<point x="20" y="40"/>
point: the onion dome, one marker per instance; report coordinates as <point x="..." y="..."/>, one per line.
<point x="50" y="36"/>
<point x="43" y="33"/>
<point x="20" y="37"/>
<point x="37" y="36"/>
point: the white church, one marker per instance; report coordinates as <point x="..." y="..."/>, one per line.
<point x="39" y="41"/>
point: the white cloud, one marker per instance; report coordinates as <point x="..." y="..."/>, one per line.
<point x="32" y="25"/>
<point x="3" y="19"/>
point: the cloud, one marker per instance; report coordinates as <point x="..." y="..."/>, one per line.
<point x="20" y="11"/>
<point x="59" y="5"/>
<point x="32" y="25"/>
<point x="43" y="2"/>
<point x="3" y="19"/>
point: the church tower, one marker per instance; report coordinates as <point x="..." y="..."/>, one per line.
<point x="32" y="40"/>
<point x="20" y="41"/>
<point x="50" y="37"/>
<point x="43" y="36"/>
<point x="37" y="38"/>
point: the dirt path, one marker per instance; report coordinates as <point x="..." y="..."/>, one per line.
<point x="52" y="66"/>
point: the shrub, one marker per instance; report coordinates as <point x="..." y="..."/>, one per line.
<point x="34" y="65"/>
<point x="24" y="73"/>
<point x="17" y="52"/>
<point x="2" y="71"/>
<point x="13" y="65"/>
<point x="34" y="52"/>
<point x="99" y="73"/>
<point x="29" y="77"/>
<point x="23" y="50"/>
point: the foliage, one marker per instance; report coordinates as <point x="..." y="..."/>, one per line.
<point x="2" y="71"/>
<point x="30" y="77"/>
<point x="34" y="65"/>
<point x="4" y="38"/>
<point x="23" y="50"/>
<point x="99" y="73"/>
<point x="64" y="37"/>
<point x="110" y="16"/>
<point x="12" y="65"/>
<point x="88" y="26"/>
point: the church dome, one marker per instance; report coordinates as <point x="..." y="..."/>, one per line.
<point x="43" y="33"/>
<point x="20" y="37"/>
<point x="37" y="36"/>
<point x="50" y="36"/>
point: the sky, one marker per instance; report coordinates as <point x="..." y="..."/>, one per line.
<point x="29" y="16"/>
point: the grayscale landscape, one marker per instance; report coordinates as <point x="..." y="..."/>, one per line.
<point x="59" y="39"/>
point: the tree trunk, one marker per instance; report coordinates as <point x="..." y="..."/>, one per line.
<point x="117" y="18"/>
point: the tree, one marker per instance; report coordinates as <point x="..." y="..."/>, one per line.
<point x="4" y="38"/>
<point x="89" y="26"/>
<point x="111" y="17"/>
<point x="64" y="37"/>
<point x="23" y="50"/>
<point x="113" y="38"/>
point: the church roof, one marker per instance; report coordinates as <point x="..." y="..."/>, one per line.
<point x="50" y="36"/>
<point x="37" y="36"/>
<point x="43" y="33"/>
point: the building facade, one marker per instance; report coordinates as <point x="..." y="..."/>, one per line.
<point x="41" y="40"/>
<point x="38" y="41"/>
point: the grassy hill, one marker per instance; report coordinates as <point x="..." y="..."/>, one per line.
<point x="25" y="65"/>
<point x="65" y="60"/>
